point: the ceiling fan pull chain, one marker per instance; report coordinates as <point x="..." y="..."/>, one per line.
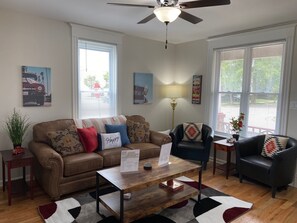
<point x="166" y="42"/>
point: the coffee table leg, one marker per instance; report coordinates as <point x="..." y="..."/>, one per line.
<point x="97" y="193"/>
<point x="122" y="207"/>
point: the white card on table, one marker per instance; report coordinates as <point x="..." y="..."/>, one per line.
<point x="165" y="154"/>
<point x="129" y="161"/>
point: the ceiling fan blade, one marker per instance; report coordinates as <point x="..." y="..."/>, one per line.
<point x="203" y="3"/>
<point x="146" y="19"/>
<point x="132" y="5"/>
<point x="189" y="17"/>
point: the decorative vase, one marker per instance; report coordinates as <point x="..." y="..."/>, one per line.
<point x="235" y="136"/>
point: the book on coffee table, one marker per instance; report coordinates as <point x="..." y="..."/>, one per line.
<point x="172" y="185"/>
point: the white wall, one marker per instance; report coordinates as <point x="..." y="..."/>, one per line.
<point x="33" y="41"/>
<point x="292" y="117"/>
<point x="191" y="59"/>
<point x="141" y="55"/>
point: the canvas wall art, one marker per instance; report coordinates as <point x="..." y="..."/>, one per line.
<point x="143" y="88"/>
<point x="36" y="86"/>
<point x="196" y="89"/>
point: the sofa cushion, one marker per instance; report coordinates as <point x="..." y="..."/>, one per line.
<point x="273" y="144"/>
<point x="81" y="163"/>
<point x="66" y="142"/>
<point x="122" y="129"/>
<point x="99" y="123"/>
<point x="138" y="131"/>
<point x="192" y="131"/>
<point x="111" y="157"/>
<point x="88" y="137"/>
<point x="147" y="150"/>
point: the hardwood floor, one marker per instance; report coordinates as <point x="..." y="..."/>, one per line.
<point x="265" y="209"/>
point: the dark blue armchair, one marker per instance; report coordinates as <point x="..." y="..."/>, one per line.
<point x="277" y="172"/>
<point x="190" y="150"/>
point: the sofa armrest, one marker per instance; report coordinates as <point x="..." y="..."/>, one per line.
<point x="159" y="138"/>
<point x="46" y="156"/>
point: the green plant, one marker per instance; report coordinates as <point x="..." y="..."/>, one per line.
<point x="16" y="126"/>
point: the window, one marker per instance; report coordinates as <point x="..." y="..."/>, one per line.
<point x="249" y="81"/>
<point x="96" y="61"/>
<point x="250" y="72"/>
<point x="96" y="79"/>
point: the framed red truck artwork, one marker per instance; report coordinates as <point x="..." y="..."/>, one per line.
<point x="36" y="86"/>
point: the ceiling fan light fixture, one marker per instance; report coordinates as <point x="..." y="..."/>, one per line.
<point x="167" y="14"/>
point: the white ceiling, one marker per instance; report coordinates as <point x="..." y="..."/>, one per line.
<point x="240" y="15"/>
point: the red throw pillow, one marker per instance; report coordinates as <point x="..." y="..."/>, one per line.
<point x="88" y="137"/>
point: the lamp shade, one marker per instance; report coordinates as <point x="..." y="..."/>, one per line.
<point x="167" y="14"/>
<point x="173" y="91"/>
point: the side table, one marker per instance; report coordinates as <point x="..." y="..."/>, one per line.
<point x="16" y="161"/>
<point x="224" y="146"/>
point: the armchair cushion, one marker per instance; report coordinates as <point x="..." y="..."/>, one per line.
<point x="66" y="142"/>
<point x="192" y="131"/>
<point x="138" y="131"/>
<point x="273" y="144"/>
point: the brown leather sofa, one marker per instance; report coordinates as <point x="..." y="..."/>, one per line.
<point x="59" y="175"/>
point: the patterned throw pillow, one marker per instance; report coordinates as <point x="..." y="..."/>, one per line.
<point x="66" y="142"/>
<point x="273" y="144"/>
<point x="192" y="132"/>
<point x="138" y="131"/>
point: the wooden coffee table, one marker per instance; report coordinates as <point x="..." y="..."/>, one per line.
<point x="147" y="197"/>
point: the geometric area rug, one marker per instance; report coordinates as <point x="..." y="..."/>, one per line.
<point x="214" y="207"/>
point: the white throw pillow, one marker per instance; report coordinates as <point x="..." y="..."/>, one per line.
<point x="111" y="140"/>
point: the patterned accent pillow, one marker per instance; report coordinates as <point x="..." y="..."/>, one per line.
<point x="138" y="131"/>
<point x="273" y="144"/>
<point x="66" y="142"/>
<point x="192" y="132"/>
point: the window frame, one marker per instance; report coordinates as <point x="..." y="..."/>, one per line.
<point x="246" y="39"/>
<point x="80" y="32"/>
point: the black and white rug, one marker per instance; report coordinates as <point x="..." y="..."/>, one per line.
<point x="214" y="207"/>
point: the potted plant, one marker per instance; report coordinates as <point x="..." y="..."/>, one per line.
<point x="16" y="126"/>
<point x="237" y="124"/>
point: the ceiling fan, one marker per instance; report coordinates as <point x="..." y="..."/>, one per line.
<point x="169" y="10"/>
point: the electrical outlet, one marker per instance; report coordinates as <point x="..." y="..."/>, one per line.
<point x="293" y="104"/>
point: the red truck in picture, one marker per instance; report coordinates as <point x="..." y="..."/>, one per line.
<point x="33" y="91"/>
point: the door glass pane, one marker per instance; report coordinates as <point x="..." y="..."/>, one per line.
<point x="231" y="70"/>
<point x="262" y="114"/>
<point x="266" y="68"/>
<point x="228" y="107"/>
<point x="265" y="84"/>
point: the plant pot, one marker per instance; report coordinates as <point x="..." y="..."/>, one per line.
<point x="17" y="150"/>
<point x="235" y="136"/>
